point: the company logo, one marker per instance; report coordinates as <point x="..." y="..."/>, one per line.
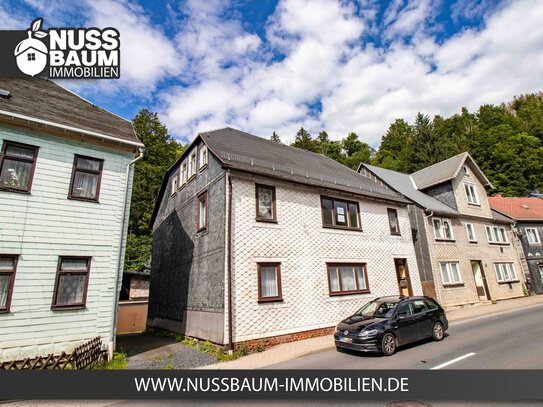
<point x="31" y="54"/>
<point x="61" y="53"/>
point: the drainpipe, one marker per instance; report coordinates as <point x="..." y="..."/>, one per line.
<point x="432" y="259"/>
<point x="120" y="264"/>
<point x="229" y="262"/>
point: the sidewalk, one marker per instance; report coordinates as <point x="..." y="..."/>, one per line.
<point x="293" y="350"/>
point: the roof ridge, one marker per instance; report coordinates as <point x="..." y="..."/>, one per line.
<point x="440" y="162"/>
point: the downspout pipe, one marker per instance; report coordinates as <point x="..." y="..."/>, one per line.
<point x="120" y="264"/>
<point x="229" y="263"/>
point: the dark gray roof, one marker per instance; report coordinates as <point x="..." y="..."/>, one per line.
<point x="46" y="101"/>
<point x="242" y="151"/>
<point x="446" y="170"/>
<point x="501" y="217"/>
<point x="404" y="184"/>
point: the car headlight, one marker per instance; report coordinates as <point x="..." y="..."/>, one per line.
<point x="370" y="332"/>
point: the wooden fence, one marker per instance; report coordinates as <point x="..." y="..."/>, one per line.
<point x="83" y="357"/>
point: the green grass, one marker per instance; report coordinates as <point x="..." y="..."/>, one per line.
<point x="117" y="363"/>
<point x="171" y="355"/>
<point x="158" y="357"/>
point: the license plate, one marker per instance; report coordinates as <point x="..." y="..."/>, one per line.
<point x="346" y="340"/>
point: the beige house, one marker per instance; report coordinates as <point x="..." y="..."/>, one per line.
<point x="466" y="252"/>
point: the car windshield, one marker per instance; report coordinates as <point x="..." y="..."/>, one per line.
<point x="377" y="309"/>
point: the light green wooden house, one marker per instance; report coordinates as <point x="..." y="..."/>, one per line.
<point x="65" y="186"/>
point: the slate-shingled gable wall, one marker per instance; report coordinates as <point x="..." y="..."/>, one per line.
<point x="187" y="279"/>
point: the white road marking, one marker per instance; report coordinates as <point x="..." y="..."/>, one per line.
<point x="450" y="362"/>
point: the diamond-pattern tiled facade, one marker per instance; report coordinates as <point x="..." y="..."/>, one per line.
<point x="303" y="247"/>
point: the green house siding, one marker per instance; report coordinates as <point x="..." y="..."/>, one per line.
<point x="44" y="225"/>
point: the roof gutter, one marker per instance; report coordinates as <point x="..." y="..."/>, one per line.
<point x="122" y="244"/>
<point x="46" y="123"/>
<point x="229" y="262"/>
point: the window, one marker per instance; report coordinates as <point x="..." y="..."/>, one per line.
<point x="496" y="234"/>
<point x="450" y="273"/>
<point x="505" y="272"/>
<point x="269" y="282"/>
<point x="202" y="211"/>
<point x="471" y="195"/>
<point x="31" y="56"/>
<point x="184" y="173"/>
<point x="393" y="221"/>
<point x="192" y="164"/>
<point x="340" y="214"/>
<point x="466" y="170"/>
<point x="265" y="203"/>
<point x="533" y="236"/>
<point x="17" y="164"/>
<point x="471" y="232"/>
<point x="86" y="178"/>
<point x="419" y="306"/>
<point x="71" y="283"/>
<point x="174" y="184"/>
<point x="8" y="265"/>
<point x="347" y="279"/>
<point x="203" y="157"/>
<point x="443" y="229"/>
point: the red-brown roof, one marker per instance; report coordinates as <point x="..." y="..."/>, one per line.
<point x="518" y="208"/>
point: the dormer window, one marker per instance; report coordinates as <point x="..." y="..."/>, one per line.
<point x="192" y="164"/>
<point x="471" y="194"/>
<point x="184" y="173"/>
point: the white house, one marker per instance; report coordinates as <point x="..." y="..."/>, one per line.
<point x="65" y="184"/>
<point x="256" y="242"/>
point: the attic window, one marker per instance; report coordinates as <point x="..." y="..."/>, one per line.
<point x="5" y="94"/>
<point x="466" y="170"/>
<point x="31" y="56"/>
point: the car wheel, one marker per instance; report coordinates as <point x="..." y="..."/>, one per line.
<point x="388" y="344"/>
<point x="437" y="331"/>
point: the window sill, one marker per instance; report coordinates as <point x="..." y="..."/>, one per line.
<point x="266" y="220"/>
<point x="267" y="300"/>
<point x="202" y="168"/>
<point x="74" y="198"/>
<point x="4" y="311"/>
<point x="19" y="191"/>
<point x="473" y="241"/>
<point x="342" y="228"/>
<point x="335" y="294"/>
<point x="202" y="230"/>
<point x="474" y="204"/>
<point x="395" y="234"/>
<point x="499" y="243"/>
<point x="446" y="240"/>
<point x="508" y="282"/>
<point x="191" y="178"/>
<point x="453" y="285"/>
<point x="67" y="307"/>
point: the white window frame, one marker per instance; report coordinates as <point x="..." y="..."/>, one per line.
<point x="471" y="193"/>
<point x="447" y="275"/>
<point x="469" y="226"/>
<point x="192" y="164"/>
<point x="496" y="234"/>
<point x="439" y="232"/>
<point x="174" y="184"/>
<point x="204" y="157"/>
<point x="505" y="272"/>
<point x="535" y="235"/>
<point x="184" y="173"/>
<point x="466" y="170"/>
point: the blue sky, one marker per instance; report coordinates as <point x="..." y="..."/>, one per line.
<point x="339" y="66"/>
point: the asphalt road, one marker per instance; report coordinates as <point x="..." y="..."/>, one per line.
<point x="505" y="341"/>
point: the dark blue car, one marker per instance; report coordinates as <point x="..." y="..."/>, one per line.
<point x="388" y="322"/>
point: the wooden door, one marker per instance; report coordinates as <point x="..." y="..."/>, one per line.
<point x="480" y="280"/>
<point x="402" y="273"/>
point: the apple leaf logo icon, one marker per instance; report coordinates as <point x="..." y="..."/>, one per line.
<point x="31" y="53"/>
